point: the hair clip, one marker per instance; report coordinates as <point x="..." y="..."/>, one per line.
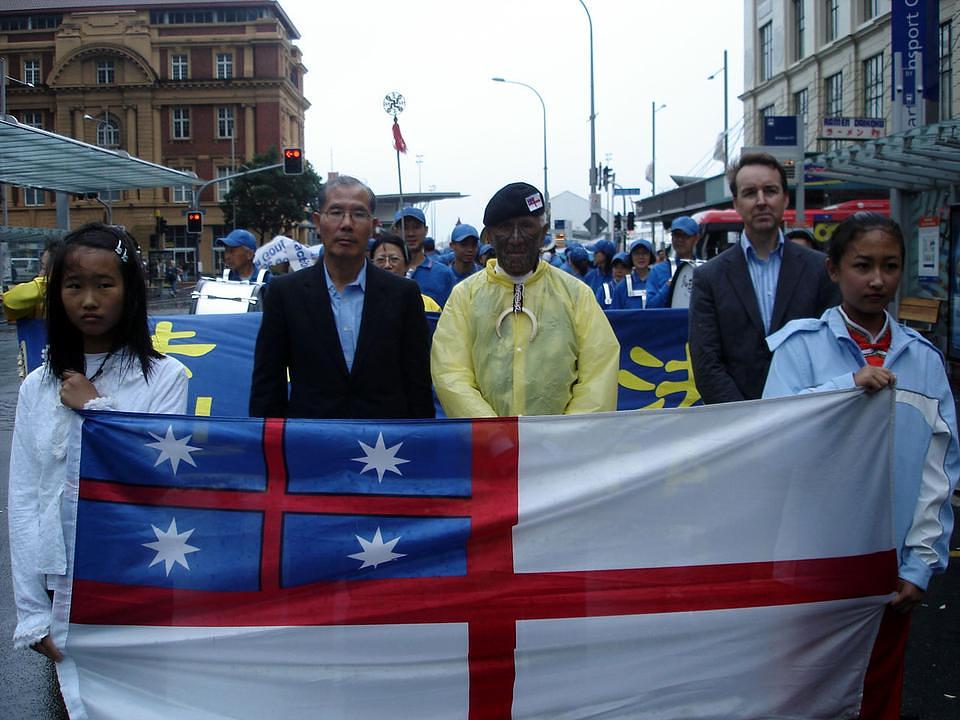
<point x="120" y="250"/>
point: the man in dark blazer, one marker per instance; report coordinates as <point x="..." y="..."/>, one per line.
<point x="353" y="337"/>
<point x="752" y="289"/>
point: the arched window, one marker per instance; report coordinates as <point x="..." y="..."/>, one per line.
<point x="108" y="132"/>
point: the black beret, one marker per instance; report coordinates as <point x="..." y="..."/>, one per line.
<point x="514" y="200"/>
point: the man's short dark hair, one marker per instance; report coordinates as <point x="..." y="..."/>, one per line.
<point x="347" y="181"/>
<point x="758" y="158"/>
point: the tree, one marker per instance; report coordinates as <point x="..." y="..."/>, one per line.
<point x="269" y="203"/>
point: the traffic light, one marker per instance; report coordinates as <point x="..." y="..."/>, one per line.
<point x="607" y="173"/>
<point x="617" y="221"/>
<point x="194" y="222"/>
<point x="631" y="220"/>
<point x="292" y="161"/>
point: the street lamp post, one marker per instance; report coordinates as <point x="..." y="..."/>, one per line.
<point x="653" y="160"/>
<point x="726" y="122"/>
<point x="546" y="190"/>
<point x="593" y="120"/>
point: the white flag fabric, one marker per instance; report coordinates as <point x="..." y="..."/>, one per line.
<point x="710" y="562"/>
<point x="282" y="249"/>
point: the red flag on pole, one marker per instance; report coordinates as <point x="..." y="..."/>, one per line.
<point x="398" y="143"/>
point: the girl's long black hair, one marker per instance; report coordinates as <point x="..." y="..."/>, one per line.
<point x="859" y="224"/>
<point x="132" y="336"/>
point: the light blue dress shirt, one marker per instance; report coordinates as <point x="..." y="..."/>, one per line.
<point x="764" y="275"/>
<point x="347" y="311"/>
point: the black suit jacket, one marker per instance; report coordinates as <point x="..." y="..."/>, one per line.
<point x="727" y="338"/>
<point x="390" y="377"/>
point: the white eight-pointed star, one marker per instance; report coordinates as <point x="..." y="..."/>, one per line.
<point x="172" y="449"/>
<point x="380" y="458"/>
<point x="376" y="551"/>
<point x="171" y="546"/>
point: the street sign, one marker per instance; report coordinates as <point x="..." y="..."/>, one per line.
<point x="845" y="128"/>
<point x="595" y="224"/>
<point x="626" y="191"/>
<point x="780" y="130"/>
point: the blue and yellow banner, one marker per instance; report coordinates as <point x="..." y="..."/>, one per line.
<point x="655" y="368"/>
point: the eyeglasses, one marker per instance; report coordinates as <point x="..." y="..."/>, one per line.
<point x="382" y="260"/>
<point x="524" y="228"/>
<point x="337" y="215"/>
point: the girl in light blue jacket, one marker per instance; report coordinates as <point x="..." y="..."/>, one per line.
<point x="859" y="344"/>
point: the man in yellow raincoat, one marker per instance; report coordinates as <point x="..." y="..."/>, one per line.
<point x="522" y="337"/>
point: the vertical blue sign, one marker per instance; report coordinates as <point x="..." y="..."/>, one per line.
<point x="914" y="27"/>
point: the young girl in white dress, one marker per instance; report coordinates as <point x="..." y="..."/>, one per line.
<point x="100" y="357"/>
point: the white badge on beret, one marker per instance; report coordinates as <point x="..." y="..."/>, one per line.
<point x="534" y="202"/>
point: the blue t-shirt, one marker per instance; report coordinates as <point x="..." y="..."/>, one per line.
<point x="434" y="279"/>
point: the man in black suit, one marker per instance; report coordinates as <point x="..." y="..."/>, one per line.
<point x="753" y="288"/>
<point x="353" y="337"/>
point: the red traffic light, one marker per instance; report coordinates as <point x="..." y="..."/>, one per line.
<point x="194" y="222"/>
<point x="292" y="161"/>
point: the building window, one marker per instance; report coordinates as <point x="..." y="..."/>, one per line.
<point x="31" y="72"/>
<point x="181" y="123"/>
<point x="33" y="197"/>
<point x="799" y="27"/>
<point x="223" y="188"/>
<point x="32" y="118"/>
<point x="832" y="20"/>
<point x="111" y="196"/>
<point x="801" y="105"/>
<point x="871" y="8"/>
<point x="833" y="96"/>
<point x="181" y="193"/>
<point x="225" y="122"/>
<point x="108" y="132"/>
<point x="946" y="70"/>
<point x="873" y="86"/>
<point x="30" y="22"/>
<point x="224" y="66"/>
<point x="195" y="17"/>
<point x="766" y="52"/>
<point x="179" y="67"/>
<point x="105" y="72"/>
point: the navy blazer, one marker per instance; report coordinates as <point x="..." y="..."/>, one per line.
<point x="727" y="338"/>
<point x="390" y="377"/>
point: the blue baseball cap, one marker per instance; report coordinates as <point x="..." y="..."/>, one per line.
<point x="410" y="212"/>
<point x="621" y="257"/>
<point x="239" y="238"/>
<point x="604" y="246"/>
<point x="686" y="225"/>
<point x="640" y="242"/>
<point x="429" y="243"/>
<point x="463" y="231"/>
<point x="577" y="252"/>
<point x="484" y="249"/>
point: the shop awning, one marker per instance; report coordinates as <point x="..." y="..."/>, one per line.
<point x="31" y="157"/>
<point x="924" y="158"/>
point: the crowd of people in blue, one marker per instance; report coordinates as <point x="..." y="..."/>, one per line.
<point x="521" y="331"/>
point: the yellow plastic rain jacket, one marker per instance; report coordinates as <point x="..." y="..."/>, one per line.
<point x="569" y="367"/>
<point x="25" y="300"/>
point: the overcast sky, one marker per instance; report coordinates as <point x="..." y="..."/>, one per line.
<point x="476" y="135"/>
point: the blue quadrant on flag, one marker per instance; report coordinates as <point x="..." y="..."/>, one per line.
<point x="356" y="547"/>
<point x="410" y="458"/>
<point x="168" y="547"/>
<point x="174" y="451"/>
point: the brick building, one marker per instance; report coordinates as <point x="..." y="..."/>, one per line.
<point x="829" y="58"/>
<point x="199" y="85"/>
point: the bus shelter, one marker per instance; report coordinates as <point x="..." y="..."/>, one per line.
<point x="921" y="169"/>
<point x="34" y="158"/>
